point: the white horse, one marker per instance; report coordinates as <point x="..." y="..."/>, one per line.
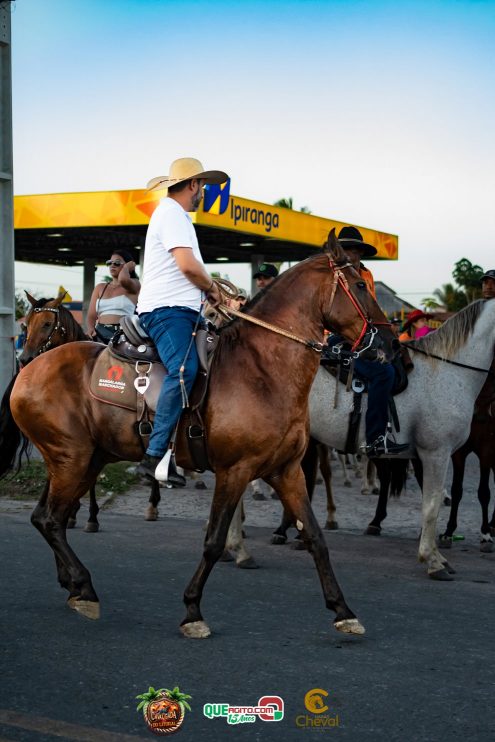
<point x="435" y="410"/>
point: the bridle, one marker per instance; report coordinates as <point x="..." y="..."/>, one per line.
<point x="57" y="327"/>
<point x="338" y="280"/>
<point x="369" y="326"/>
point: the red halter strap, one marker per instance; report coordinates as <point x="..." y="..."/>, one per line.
<point x="340" y="279"/>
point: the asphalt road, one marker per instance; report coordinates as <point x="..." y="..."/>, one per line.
<point x="423" y="671"/>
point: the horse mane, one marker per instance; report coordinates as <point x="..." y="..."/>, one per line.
<point x="453" y="334"/>
<point x="73" y="328"/>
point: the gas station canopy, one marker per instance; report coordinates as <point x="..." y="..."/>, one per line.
<point x="71" y="228"/>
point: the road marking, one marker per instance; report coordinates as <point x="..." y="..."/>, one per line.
<point x="62" y="728"/>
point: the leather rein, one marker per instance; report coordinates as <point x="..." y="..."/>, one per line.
<point x="410" y="346"/>
<point x="338" y="280"/>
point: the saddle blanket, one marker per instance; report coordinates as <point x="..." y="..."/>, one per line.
<point x="119" y="382"/>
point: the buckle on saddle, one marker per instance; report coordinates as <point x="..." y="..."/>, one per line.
<point x="358" y="385"/>
<point x="195" y="431"/>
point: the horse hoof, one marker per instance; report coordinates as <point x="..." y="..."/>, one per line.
<point x="445" y="542"/>
<point x="195" y="630"/>
<point x="350" y="626"/>
<point x="200" y="485"/>
<point x="375" y="491"/>
<point x="87" y="608"/>
<point x="373" y="531"/>
<point x="449" y="569"/>
<point x="347" y="483"/>
<point x="248" y="563"/>
<point x="71" y="523"/>
<point x="278" y="540"/>
<point x="151" y="513"/>
<point x="226" y="556"/>
<point x="91" y="527"/>
<point x="298" y="545"/>
<point x="331" y="525"/>
<point x="486" y="547"/>
<point x="442" y="575"/>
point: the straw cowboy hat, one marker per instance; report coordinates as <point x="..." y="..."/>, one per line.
<point x="352" y="237"/>
<point x="186" y="168"/>
<point x="414" y="316"/>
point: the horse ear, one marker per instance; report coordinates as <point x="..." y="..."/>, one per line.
<point x="30" y="298"/>
<point x="334" y="247"/>
<point x="60" y="298"/>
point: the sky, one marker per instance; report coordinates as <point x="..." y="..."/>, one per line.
<point x="380" y="114"/>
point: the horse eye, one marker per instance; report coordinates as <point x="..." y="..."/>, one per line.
<point x="47" y="324"/>
<point x="361" y="284"/>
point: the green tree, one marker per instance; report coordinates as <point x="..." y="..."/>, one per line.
<point x="451" y="298"/>
<point x="288" y="203"/>
<point x="468" y="276"/>
<point x="21" y="306"/>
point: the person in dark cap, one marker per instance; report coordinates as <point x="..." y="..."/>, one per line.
<point x="488" y="285"/>
<point x="265" y="275"/>
<point x="380" y="377"/>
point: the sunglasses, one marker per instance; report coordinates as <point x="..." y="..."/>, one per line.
<point x="114" y="262"/>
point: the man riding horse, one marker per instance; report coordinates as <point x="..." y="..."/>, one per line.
<point x="380" y="377"/>
<point x="174" y="284"/>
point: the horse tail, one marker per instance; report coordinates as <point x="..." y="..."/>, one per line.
<point x="11" y="437"/>
<point x="398" y="476"/>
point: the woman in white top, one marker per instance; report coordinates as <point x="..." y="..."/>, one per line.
<point x="113" y="300"/>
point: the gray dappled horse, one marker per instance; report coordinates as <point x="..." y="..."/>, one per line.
<point x="435" y="411"/>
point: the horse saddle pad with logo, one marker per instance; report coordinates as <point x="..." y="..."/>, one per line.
<point x="119" y="382"/>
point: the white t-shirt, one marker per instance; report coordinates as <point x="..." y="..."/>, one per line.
<point x="163" y="284"/>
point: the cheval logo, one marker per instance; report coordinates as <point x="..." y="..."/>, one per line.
<point x="315" y="703"/>
<point x="113" y="381"/>
<point x="268" y="708"/>
<point x="216" y="198"/>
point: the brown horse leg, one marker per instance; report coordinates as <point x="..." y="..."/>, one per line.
<point x="326" y="471"/>
<point x="50" y="518"/>
<point x="152" y="509"/>
<point x="229" y="487"/>
<point x="309" y="466"/>
<point x="71" y="523"/>
<point x="92" y="526"/>
<point x="291" y="489"/>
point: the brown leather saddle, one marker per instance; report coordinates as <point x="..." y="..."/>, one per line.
<point x="128" y="373"/>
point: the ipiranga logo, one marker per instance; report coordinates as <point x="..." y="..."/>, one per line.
<point x="216" y="198"/>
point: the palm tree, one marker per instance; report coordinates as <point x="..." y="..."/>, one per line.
<point x="181" y="698"/>
<point x="449" y="297"/>
<point x="285" y="203"/>
<point x="147" y="698"/>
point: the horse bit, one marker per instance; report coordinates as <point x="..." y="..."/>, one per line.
<point x="48" y="344"/>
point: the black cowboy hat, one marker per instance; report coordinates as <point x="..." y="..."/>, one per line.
<point x="352" y="237"/>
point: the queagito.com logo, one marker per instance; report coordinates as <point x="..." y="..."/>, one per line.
<point x="316" y="705"/>
<point x="268" y="708"/>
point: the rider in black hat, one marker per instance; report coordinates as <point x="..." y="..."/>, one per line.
<point x="380" y="377"/>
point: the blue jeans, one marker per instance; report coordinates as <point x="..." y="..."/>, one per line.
<point x="171" y="330"/>
<point x="380" y="378"/>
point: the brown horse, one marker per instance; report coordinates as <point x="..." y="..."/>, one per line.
<point x="77" y="435"/>
<point x="50" y="324"/>
<point x="480" y="442"/>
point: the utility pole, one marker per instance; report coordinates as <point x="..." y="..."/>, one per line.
<point x="7" y="290"/>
